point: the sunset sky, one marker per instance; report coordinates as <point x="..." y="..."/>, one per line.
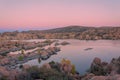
<point x="44" y="14"/>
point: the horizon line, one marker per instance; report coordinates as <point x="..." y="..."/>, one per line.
<point x="22" y="30"/>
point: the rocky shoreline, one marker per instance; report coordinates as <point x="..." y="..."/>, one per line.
<point x="64" y="70"/>
<point x="11" y="61"/>
<point x="103" y="70"/>
<point x="14" y="61"/>
<point x="8" y="46"/>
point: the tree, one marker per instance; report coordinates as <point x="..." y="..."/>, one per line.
<point x="39" y="60"/>
<point x="22" y="52"/>
<point x="73" y="69"/>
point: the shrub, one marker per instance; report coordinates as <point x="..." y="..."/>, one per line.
<point x="3" y="78"/>
<point x="20" y="58"/>
<point x="35" y="72"/>
<point x="73" y="69"/>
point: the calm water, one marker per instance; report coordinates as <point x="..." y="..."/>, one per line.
<point x="104" y="49"/>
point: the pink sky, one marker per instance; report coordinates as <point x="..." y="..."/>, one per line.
<point x="43" y="14"/>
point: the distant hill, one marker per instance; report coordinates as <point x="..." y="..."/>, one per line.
<point x="69" y="32"/>
<point x="76" y="29"/>
<point x="68" y="29"/>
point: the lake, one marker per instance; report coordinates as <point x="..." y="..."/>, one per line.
<point x="81" y="52"/>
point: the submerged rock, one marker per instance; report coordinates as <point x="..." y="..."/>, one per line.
<point x="45" y="55"/>
<point x="56" y="44"/>
<point x="65" y="43"/>
<point x="88" y="49"/>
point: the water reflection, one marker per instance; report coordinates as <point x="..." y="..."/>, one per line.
<point x="104" y="49"/>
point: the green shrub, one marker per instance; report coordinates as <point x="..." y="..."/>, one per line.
<point x="20" y="58"/>
<point x="3" y="78"/>
<point x="73" y="69"/>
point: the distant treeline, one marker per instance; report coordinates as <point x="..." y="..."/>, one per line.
<point x="69" y="32"/>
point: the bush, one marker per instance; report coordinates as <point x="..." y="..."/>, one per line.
<point x="3" y="78"/>
<point x="20" y="58"/>
<point x="35" y="72"/>
<point x="73" y="71"/>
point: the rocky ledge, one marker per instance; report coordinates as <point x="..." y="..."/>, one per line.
<point x="103" y="70"/>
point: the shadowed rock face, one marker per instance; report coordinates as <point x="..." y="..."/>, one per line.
<point x="116" y="65"/>
<point x="96" y="66"/>
<point x="104" y="71"/>
<point x="103" y="68"/>
<point x="97" y="61"/>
